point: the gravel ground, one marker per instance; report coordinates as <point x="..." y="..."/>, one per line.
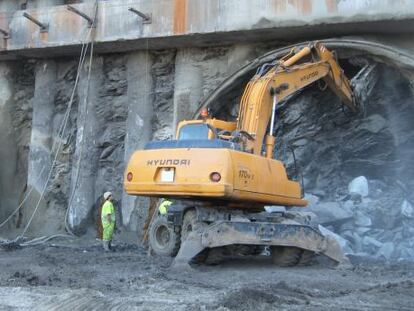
<point x="77" y="275"/>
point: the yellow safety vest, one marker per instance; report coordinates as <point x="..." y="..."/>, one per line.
<point x="163" y="208"/>
<point x="108" y="209"/>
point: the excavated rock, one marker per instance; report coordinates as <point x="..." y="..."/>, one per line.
<point x="359" y="186"/>
<point x="331" y="213"/>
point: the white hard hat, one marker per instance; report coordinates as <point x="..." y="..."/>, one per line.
<point x="107" y="195"/>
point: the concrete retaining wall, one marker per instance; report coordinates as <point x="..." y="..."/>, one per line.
<point x="196" y="22"/>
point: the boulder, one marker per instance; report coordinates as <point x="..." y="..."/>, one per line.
<point x="354" y="238"/>
<point x="312" y="200"/>
<point x="407" y="209"/>
<point x="362" y="230"/>
<point x="275" y="209"/>
<point x="330" y="213"/>
<point x="362" y="220"/>
<point x="343" y="243"/>
<point x="386" y="251"/>
<point x="359" y="186"/>
<point x="370" y="244"/>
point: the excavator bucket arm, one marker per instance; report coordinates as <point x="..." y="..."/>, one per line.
<point x="284" y="79"/>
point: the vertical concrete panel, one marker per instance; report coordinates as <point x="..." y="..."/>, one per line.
<point x="138" y="129"/>
<point x="41" y="138"/>
<point x="41" y="143"/>
<point x="8" y="150"/>
<point x="188" y="89"/>
<point x="85" y="163"/>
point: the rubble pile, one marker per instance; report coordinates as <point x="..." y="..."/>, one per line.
<point x="373" y="219"/>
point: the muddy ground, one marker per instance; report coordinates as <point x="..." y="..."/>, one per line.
<point x="74" y="274"/>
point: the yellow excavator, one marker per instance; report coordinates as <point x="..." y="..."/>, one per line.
<point x="221" y="175"/>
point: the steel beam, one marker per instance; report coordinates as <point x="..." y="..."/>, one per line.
<point x="44" y="27"/>
<point x="146" y="18"/>
<point x="6" y="34"/>
<point x="90" y="20"/>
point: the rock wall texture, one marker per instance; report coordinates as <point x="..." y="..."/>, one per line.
<point x="333" y="148"/>
<point x="17" y="91"/>
<point x="122" y="103"/>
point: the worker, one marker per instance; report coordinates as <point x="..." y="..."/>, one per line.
<point x="108" y="221"/>
<point x="163" y="208"/>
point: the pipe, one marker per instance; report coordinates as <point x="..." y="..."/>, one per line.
<point x="83" y="15"/>
<point x="272" y="120"/>
<point x="146" y="18"/>
<point x="43" y="27"/>
<point x="303" y="52"/>
<point x="270" y="139"/>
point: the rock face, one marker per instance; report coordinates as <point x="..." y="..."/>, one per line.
<point x="128" y="100"/>
<point x="17" y="91"/>
<point x="99" y="156"/>
<point x="372" y="144"/>
<point x="333" y="149"/>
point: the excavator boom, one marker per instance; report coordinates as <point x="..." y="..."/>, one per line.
<point x="283" y="79"/>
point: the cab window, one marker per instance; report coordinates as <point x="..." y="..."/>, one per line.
<point x="194" y="131"/>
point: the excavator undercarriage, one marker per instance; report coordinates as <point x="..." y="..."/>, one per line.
<point x="197" y="234"/>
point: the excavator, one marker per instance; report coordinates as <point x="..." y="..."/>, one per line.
<point x="220" y="175"/>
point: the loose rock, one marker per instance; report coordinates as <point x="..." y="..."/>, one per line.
<point x="359" y="186"/>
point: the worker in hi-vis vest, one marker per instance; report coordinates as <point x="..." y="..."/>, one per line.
<point x="163" y="208"/>
<point x="108" y="220"/>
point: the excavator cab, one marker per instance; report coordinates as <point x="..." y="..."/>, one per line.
<point x="207" y="128"/>
<point x="195" y="131"/>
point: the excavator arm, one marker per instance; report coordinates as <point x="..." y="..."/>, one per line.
<point x="274" y="83"/>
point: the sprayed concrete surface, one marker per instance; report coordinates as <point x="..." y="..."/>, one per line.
<point x="78" y="275"/>
<point x="196" y="22"/>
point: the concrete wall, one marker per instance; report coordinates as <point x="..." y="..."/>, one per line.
<point x="8" y="141"/>
<point x="206" y="22"/>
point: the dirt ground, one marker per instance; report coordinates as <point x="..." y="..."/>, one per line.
<point x="74" y="274"/>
